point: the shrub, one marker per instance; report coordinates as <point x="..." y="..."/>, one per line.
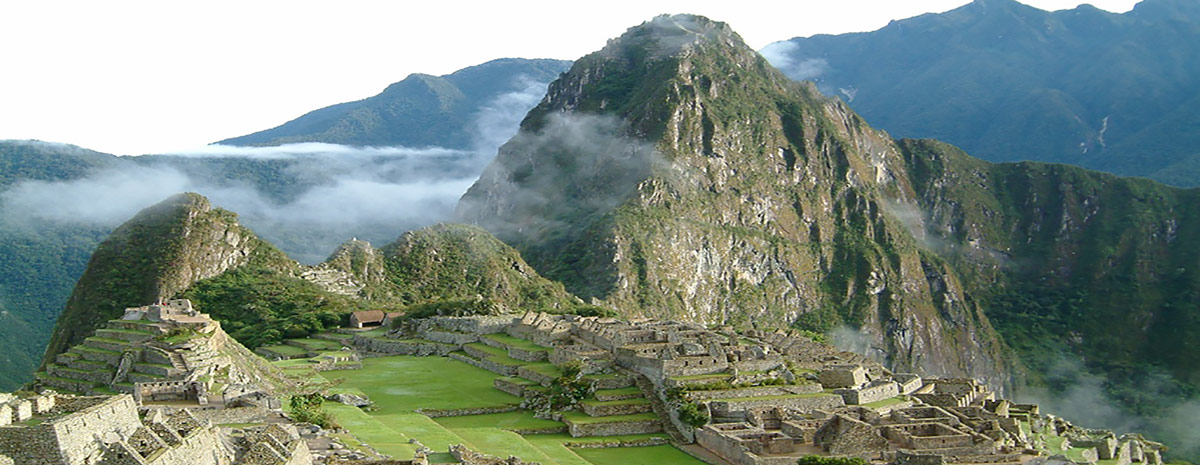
<point x="691" y="414"/>
<point x="564" y="392"/>
<point x="306" y="408"/>
<point x="593" y="310"/>
<point x="448" y="307"/>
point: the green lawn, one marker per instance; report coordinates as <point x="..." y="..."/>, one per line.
<point x="402" y="384"/>
<point x="649" y="455"/>
<point x="503" y="443"/>
<point x="619" y="392"/>
<point x="317" y="345"/>
<point x="286" y="350"/>
<point x="520" y="419"/>
<point x="377" y="332"/>
<point x="552" y="445"/>
<point x="372" y="431"/>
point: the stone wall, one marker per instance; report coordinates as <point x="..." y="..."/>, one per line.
<point x="927" y="436"/>
<point x="505" y="370"/>
<point x="402" y="347"/>
<point x="604" y="410"/>
<point x="450" y="337"/>
<point x="736" y="409"/>
<point x="753" y="392"/>
<point x="528" y="355"/>
<point x="503" y="384"/>
<point x="803" y="429"/>
<point x="534" y="376"/>
<point x="459" y="412"/>
<point x="728" y="447"/>
<point x="614" y="428"/>
<point x="478" y="324"/>
<point x="842" y="435"/>
<point x="74" y="433"/>
<point x="71" y="439"/>
<point x="691" y="366"/>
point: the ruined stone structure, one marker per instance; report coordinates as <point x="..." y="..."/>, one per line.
<point x="52" y="429"/>
<point x="772" y="397"/>
<point x="161" y="352"/>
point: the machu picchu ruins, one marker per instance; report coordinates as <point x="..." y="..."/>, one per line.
<point x="768" y="397"/>
<point x="723" y="396"/>
<point x="164" y="351"/>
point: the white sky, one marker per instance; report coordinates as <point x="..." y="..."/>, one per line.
<point x="135" y="77"/>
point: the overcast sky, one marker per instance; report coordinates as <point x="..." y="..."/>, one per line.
<point x="130" y="77"/>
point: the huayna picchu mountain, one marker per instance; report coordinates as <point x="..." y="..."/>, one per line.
<point x="676" y="173"/>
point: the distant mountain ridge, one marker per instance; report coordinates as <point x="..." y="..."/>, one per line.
<point x="1009" y="82"/>
<point x="420" y="111"/>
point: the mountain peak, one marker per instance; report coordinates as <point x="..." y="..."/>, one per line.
<point x="672" y="35"/>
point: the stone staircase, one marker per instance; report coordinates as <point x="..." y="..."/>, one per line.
<point x="661" y="409"/>
<point x="177" y="361"/>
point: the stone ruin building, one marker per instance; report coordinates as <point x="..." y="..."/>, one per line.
<point x="771" y="396"/>
<point x="52" y="428"/>
<point x="162" y="352"/>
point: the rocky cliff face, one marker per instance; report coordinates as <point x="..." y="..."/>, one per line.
<point x="157" y="254"/>
<point x="676" y="174"/>
<point x="1109" y="262"/>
